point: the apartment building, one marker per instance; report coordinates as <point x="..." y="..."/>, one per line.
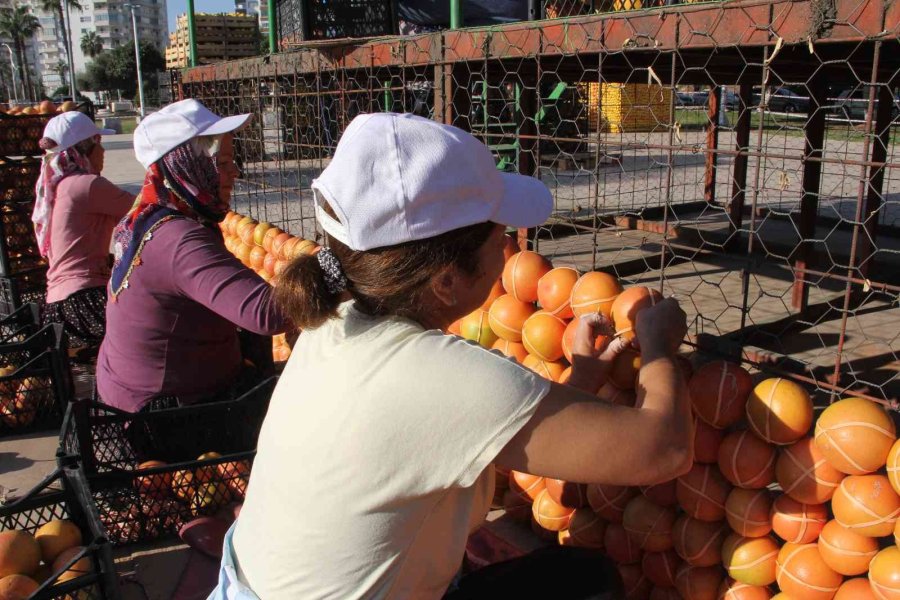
<point x="257" y="8"/>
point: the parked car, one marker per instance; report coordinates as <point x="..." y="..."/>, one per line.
<point x="852" y="104"/>
<point x="782" y="99"/>
<point x="684" y="99"/>
<point x="702" y="99"/>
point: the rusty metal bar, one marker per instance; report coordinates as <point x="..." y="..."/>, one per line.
<point x="713" y="110"/>
<point x="854" y="243"/>
<point x="874" y="195"/>
<point x="809" y="202"/>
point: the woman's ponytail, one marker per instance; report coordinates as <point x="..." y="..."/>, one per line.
<point x="303" y="293"/>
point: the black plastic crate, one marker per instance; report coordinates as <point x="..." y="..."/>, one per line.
<point x="21" y="324"/>
<point x="25" y="286"/>
<point x="144" y="469"/>
<point x="20" y="134"/>
<point x="64" y="495"/>
<point x="35" y="382"/>
<point x="18" y="244"/>
<point x="18" y="178"/>
<point x="301" y="20"/>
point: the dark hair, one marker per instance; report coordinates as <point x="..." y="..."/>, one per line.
<point x="382" y="281"/>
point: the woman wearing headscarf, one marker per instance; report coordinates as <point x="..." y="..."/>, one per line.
<point x="177" y="296"/>
<point x="75" y="211"/>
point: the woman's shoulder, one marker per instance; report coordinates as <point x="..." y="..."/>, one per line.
<point x="78" y="183"/>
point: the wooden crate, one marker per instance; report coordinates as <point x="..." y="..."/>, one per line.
<point x="630" y="107"/>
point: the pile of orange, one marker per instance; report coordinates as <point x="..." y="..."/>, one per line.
<point x="27" y="561"/>
<point x="778" y="504"/>
<point x="267" y="250"/>
<point x="21" y="401"/>
<point x="43" y="108"/>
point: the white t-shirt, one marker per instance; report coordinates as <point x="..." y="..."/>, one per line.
<point x="374" y="461"/>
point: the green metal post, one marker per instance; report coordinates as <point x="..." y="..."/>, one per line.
<point x="388" y="97"/>
<point x="192" y="40"/>
<point x="273" y="28"/>
<point x="456" y="14"/>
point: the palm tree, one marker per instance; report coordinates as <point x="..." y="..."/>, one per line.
<point x="19" y="25"/>
<point x="58" y="9"/>
<point x="61" y="69"/>
<point x="91" y="44"/>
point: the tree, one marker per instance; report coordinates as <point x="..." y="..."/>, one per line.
<point x="61" y="69"/>
<point x="19" y="25"/>
<point x="57" y="8"/>
<point x="115" y="69"/>
<point x="91" y="44"/>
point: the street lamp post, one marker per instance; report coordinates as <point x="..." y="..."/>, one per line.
<point x="12" y="72"/>
<point x="68" y="25"/>
<point x="137" y="57"/>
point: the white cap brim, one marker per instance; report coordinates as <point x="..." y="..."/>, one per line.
<point x="526" y="202"/>
<point x="226" y="125"/>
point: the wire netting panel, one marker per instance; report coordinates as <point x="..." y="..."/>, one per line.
<point x="741" y="156"/>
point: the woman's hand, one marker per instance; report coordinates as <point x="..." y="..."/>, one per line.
<point x="591" y="364"/>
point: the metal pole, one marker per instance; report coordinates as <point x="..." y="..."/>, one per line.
<point x="456" y="14"/>
<point x="137" y="58"/>
<point x="68" y="25"/>
<point x="273" y="28"/>
<point x="192" y="41"/>
<point x="13" y="70"/>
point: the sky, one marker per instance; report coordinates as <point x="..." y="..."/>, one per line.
<point x="177" y="7"/>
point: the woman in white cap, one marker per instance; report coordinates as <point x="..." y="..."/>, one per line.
<point x="75" y="211"/>
<point x="177" y="296"/>
<point x="374" y="462"/>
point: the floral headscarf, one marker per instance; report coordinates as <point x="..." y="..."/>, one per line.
<point x="182" y="184"/>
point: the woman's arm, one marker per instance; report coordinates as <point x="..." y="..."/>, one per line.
<point x="207" y="273"/>
<point x="106" y="198"/>
<point x="577" y="437"/>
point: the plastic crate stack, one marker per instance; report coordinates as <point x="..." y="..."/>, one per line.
<point x="35" y="380"/>
<point x="23" y="272"/>
<point x="84" y="569"/>
<point x="149" y="473"/>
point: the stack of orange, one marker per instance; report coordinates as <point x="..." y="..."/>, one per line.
<point x="769" y="506"/>
<point x="267" y="250"/>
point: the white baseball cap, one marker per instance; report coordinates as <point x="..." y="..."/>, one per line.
<point x="70" y="128"/>
<point x="396" y="178"/>
<point x="177" y="123"/>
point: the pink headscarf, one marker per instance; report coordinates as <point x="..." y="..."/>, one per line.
<point x="56" y="167"/>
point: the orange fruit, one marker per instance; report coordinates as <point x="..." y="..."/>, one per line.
<point x="594" y="292"/>
<point x="568" y="339"/>
<point x="512" y="349"/>
<point x="663" y="494"/>
<point x="548" y="370"/>
<point x="661" y="567"/>
<point x="866" y="504"/>
<point x="779" y="411"/>
<point x="522" y="273"/>
<point x="856" y="589"/>
<point x="627" y="305"/>
<point x="634" y="582"/>
<point x="567" y="493"/>
<point x="846" y="551"/>
<point x="586" y="530"/>
<point x="803" y="473"/>
<point x="893" y="466"/>
<point x="747" y="461"/>
<point x="620" y="547"/>
<point x="609" y="501"/>
<point x="649" y="524"/>
<point x="526" y="485"/>
<point x="554" y="291"/>
<point x="884" y="574"/>
<point x="699" y="543"/>
<point x="750" y="560"/>
<point x="719" y="392"/>
<point x="55" y="536"/>
<point x="855" y="435"/>
<point x="796" y="522"/>
<point x="707" y="440"/>
<point x="735" y="590"/>
<point x="507" y="315"/>
<point x="542" y="336"/>
<point x="749" y="512"/>
<point x="20" y="553"/>
<point x="702" y="493"/>
<point x="698" y="583"/>
<point x="268" y="237"/>
<point x="475" y="327"/>
<point x="801" y="573"/>
<point x="80" y="567"/>
<point x="550" y="515"/>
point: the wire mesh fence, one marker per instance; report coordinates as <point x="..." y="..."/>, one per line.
<point x="739" y="155"/>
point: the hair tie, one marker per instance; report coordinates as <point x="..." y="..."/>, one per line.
<point x="335" y="280"/>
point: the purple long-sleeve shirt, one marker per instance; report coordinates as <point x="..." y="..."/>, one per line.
<point x="172" y="331"/>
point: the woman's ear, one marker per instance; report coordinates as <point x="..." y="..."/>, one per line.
<point x="444" y="286"/>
